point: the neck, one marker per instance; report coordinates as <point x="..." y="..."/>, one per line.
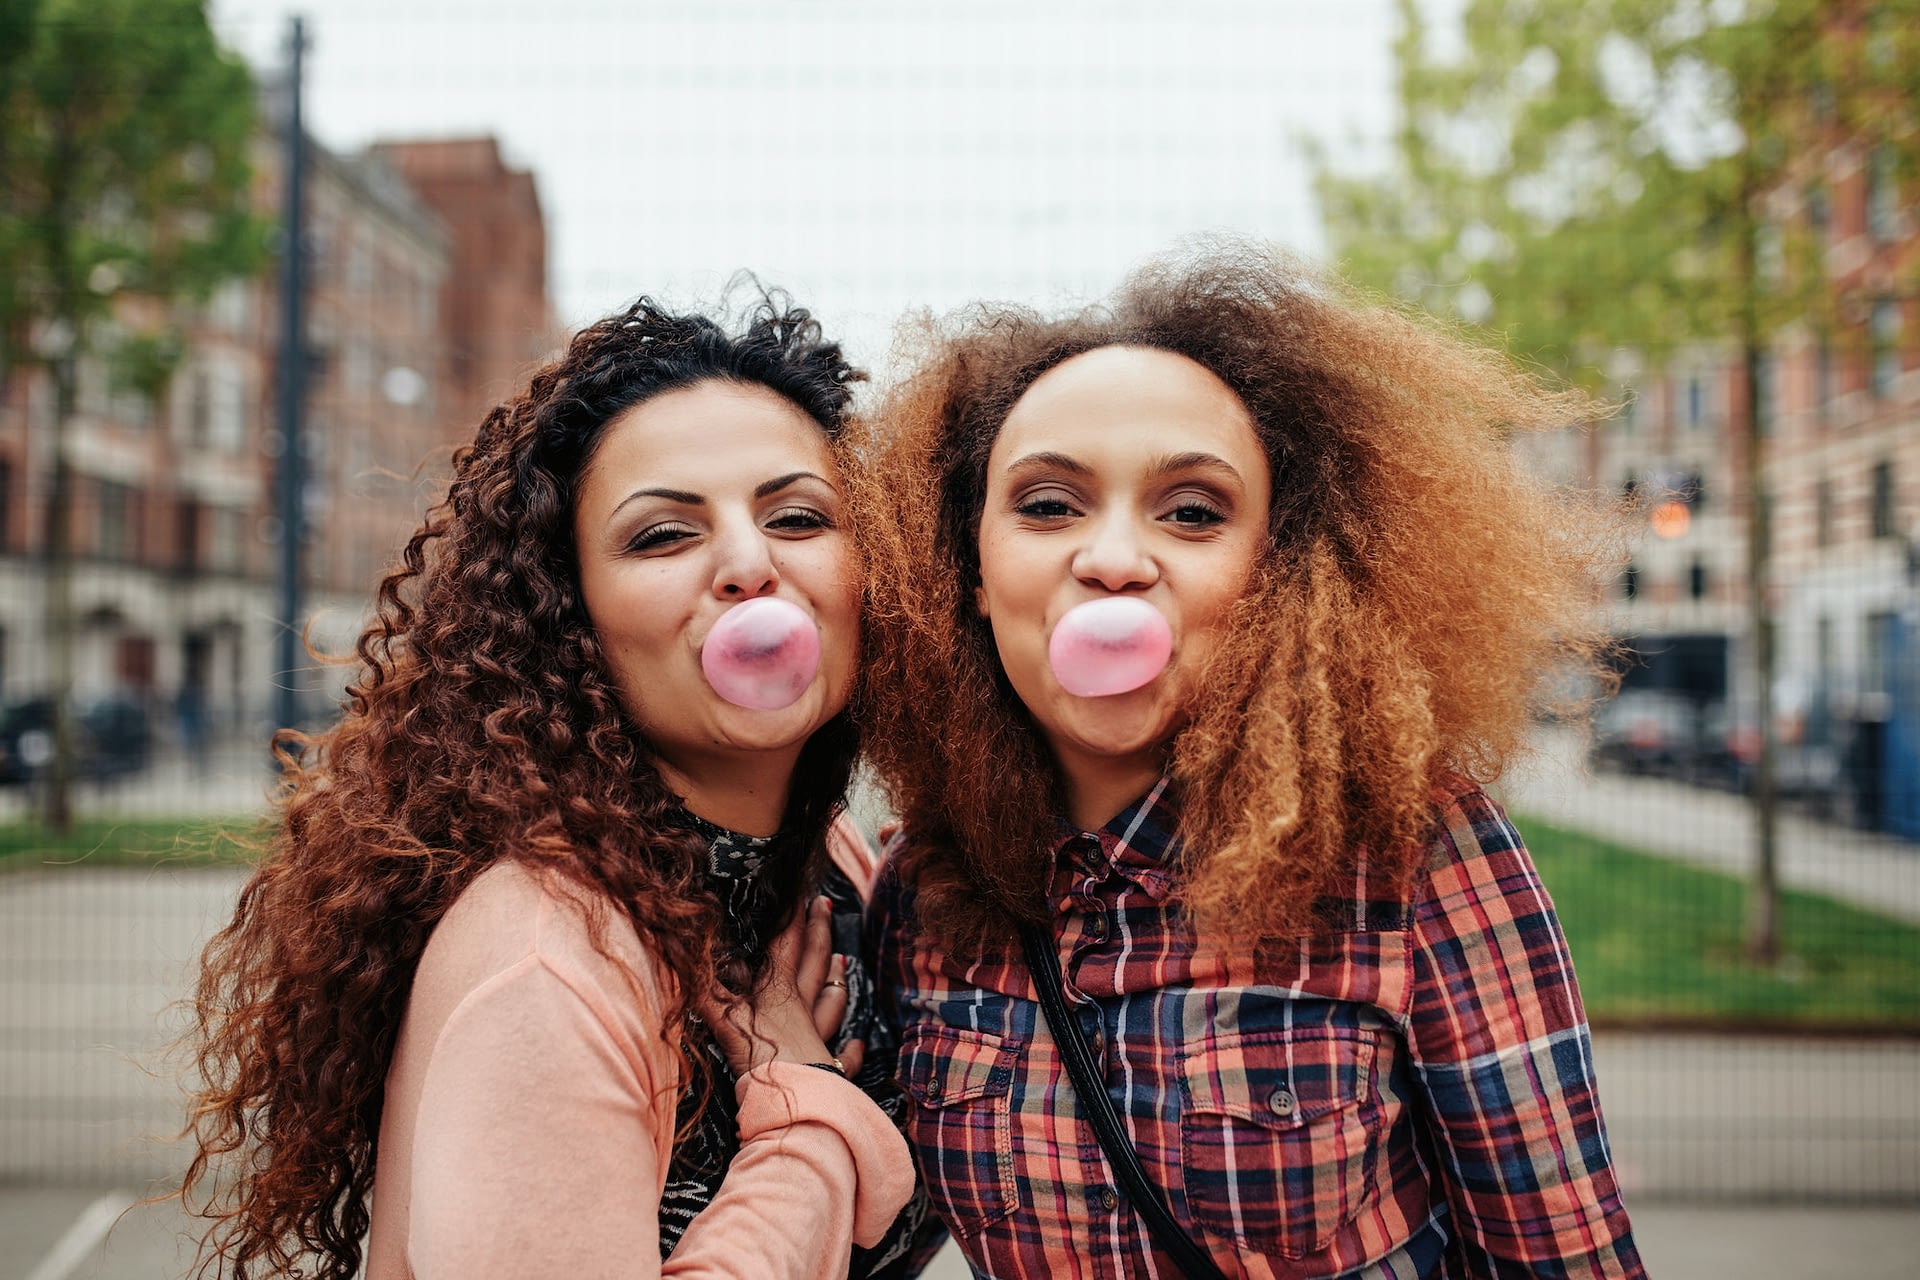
<point x="1099" y="787"/>
<point x="744" y="792"/>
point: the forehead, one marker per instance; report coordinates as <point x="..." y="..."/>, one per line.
<point x="702" y="436"/>
<point x="1101" y="395"/>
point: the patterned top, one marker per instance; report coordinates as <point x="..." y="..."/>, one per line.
<point x="1409" y="1094"/>
<point x="710" y="1133"/>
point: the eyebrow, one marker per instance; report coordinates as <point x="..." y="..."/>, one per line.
<point x="1050" y="460"/>
<point x="1168" y="465"/>
<point x="1195" y="461"/>
<point x="685" y="498"/>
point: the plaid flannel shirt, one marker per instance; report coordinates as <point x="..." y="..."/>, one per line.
<point x="1409" y="1095"/>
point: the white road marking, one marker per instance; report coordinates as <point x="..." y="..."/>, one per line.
<point x="86" y="1233"/>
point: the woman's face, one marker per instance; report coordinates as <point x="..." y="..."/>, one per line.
<point x="694" y="501"/>
<point x="1123" y="471"/>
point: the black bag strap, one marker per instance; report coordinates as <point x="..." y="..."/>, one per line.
<point x="1147" y="1201"/>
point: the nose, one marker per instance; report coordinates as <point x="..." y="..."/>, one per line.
<point x="744" y="567"/>
<point x="1114" y="555"/>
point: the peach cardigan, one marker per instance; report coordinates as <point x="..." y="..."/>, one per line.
<point x="529" y="1115"/>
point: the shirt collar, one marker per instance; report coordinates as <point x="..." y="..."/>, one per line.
<point x="731" y="855"/>
<point x="1139" y="843"/>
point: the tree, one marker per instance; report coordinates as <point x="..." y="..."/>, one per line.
<point x="1588" y="176"/>
<point x="124" y="184"/>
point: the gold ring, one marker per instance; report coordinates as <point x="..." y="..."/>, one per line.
<point x="833" y="982"/>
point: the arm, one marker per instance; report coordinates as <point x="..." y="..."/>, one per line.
<point x="545" y="1122"/>
<point x="1500" y="1047"/>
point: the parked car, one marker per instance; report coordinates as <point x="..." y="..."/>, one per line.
<point x="112" y="736"/>
<point x="1651" y="731"/>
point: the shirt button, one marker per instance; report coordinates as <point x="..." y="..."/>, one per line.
<point x="1096" y="927"/>
<point x="1107" y="1198"/>
<point x="1282" y="1102"/>
<point x="934" y="1088"/>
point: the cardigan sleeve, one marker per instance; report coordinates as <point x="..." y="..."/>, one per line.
<point x="546" y="1121"/>
<point x="1500" y="1044"/>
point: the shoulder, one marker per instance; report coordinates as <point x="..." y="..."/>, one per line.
<point x="516" y="918"/>
<point x="1469" y="825"/>
<point x="1473" y="855"/>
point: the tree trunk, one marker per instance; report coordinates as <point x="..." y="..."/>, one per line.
<point x="57" y="800"/>
<point x="1763" y="895"/>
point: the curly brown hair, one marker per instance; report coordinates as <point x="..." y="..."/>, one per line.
<point x="484" y="726"/>
<point x="1417" y="584"/>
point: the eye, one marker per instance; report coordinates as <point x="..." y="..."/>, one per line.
<point x="799" y="519"/>
<point x="1045" y="505"/>
<point x="658" y="536"/>
<point x="1196" y="514"/>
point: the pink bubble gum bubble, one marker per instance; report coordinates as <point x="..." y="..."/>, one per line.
<point x="761" y="654"/>
<point x="1109" y="646"/>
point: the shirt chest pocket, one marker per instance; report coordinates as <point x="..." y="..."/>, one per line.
<point x="961" y="1123"/>
<point x="1279" y="1135"/>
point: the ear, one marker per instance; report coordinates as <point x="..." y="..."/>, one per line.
<point x="980" y="602"/>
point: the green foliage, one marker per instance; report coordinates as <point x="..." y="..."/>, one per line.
<point x="119" y="842"/>
<point x="1660" y="941"/>
<point x="125" y="133"/>
<point x="1592" y="174"/>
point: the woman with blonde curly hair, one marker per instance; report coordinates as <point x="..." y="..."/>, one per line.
<point x="1198" y="622"/>
<point x="533" y="979"/>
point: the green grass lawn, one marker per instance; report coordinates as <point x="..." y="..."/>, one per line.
<point x="1654" y="941"/>
<point x="1658" y="941"/>
<point x="119" y="842"/>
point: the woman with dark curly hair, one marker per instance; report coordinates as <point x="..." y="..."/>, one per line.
<point x="1196" y="623"/>
<point x="532" y="979"/>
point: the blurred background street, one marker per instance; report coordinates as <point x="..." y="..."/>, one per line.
<point x="248" y="309"/>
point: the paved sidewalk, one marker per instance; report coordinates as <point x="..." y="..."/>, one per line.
<point x="1711" y="828"/>
<point x="82" y="1234"/>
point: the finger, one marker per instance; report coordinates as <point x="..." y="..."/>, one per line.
<point x="851" y="1055"/>
<point x="783" y="953"/>
<point x="830" y="1006"/>
<point x="817" y="952"/>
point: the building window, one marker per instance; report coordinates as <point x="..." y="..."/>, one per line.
<point x="1818" y="212"/>
<point x="1630" y="581"/>
<point x="1886" y="346"/>
<point x="199" y="406"/>
<point x="1693" y="490"/>
<point x="1883" y="195"/>
<point x="1697" y="580"/>
<point x="187" y="535"/>
<point x="133" y="662"/>
<point x="226" y="551"/>
<point x="1696" y="400"/>
<point x="1823" y="379"/>
<point x="227" y="425"/>
<point x="229" y="308"/>
<point x="1766" y="393"/>
<point x="113" y="532"/>
<point x="1878" y="664"/>
<point x="1823" y="513"/>
<point x="1882" y="518"/>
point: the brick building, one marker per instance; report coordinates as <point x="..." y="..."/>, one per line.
<point x="1839" y="412"/>
<point x="175" y="529"/>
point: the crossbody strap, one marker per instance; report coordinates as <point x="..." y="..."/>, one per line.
<point x="1147" y="1200"/>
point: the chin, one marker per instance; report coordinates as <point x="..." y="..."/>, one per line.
<point x="1122" y="725"/>
<point x="749" y="730"/>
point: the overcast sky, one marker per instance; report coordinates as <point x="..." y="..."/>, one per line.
<point x="870" y="155"/>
